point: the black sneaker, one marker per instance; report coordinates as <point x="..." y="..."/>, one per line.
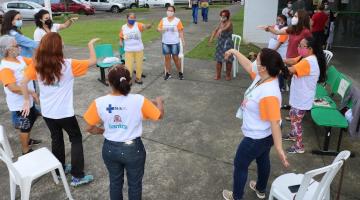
<point x="181" y="76"/>
<point x="34" y="142"/>
<point x="167" y="76"/>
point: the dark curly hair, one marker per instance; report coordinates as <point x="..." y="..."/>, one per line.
<point x="38" y="17"/>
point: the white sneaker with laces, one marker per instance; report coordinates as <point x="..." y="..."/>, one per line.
<point x="228" y="195"/>
<point x="259" y="194"/>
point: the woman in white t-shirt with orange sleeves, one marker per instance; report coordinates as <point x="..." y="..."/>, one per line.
<point x="260" y="113"/>
<point x="308" y="70"/>
<point x="55" y="75"/>
<point x="122" y="114"/>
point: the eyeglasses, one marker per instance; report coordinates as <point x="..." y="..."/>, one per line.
<point x="303" y="46"/>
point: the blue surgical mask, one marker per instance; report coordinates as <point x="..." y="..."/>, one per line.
<point x="18" y="23"/>
<point x="131" y="21"/>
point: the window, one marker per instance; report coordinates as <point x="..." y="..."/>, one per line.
<point x="25" y="6"/>
<point x="104" y="1"/>
<point x="94" y="1"/>
<point x="13" y="5"/>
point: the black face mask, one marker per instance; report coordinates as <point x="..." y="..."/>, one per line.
<point x="49" y="23"/>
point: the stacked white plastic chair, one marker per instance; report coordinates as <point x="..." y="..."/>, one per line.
<point x="181" y="56"/>
<point x="235" y="65"/>
<point x="309" y="188"/>
<point x="328" y="56"/>
<point x="30" y="167"/>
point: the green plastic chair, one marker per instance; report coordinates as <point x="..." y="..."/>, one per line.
<point x="102" y="51"/>
<point x="344" y="87"/>
<point x="329" y="118"/>
<point x="332" y="74"/>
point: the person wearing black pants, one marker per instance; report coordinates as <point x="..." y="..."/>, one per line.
<point x="71" y="126"/>
<point x="55" y="76"/>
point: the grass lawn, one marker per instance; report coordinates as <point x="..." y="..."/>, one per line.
<point x="207" y="52"/>
<point x="80" y="33"/>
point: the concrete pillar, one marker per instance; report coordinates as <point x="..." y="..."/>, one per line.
<point x="258" y="12"/>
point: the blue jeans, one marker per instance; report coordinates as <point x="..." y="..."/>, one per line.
<point x="195" y="10"/>
<point x="249" y="150"/>
<point x="131" y="157"/>
<point x="171" y="49"/>
<point x="204" y="13"/>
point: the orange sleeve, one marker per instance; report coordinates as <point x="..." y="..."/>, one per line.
<point x="283" y="38"/>
<point x="149" y="110"/>
<point x="141" y="26"/>
<point x="7" y="76"/>
<point x="160" y="26"/>
<point x="180" y="26"/>
<point x="302" y="68"/>
<point x="28" y="61"/>
<point x="91" y="116"/>
<point x="269" y="108"/>
<point x="79" y="67"/>
<point x="30" y="72"/>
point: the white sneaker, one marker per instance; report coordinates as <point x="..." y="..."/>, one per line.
<point x="228" y="195"/>
<point x="259" y="194"/>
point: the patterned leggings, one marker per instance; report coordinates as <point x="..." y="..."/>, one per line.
<point x="296" y="117"/>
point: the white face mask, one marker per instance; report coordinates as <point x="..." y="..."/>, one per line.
<point x="289" y="5"/>
<point x="326" y="7"/>
<point x="294" y="21"/>
<point x="169" y="13"/>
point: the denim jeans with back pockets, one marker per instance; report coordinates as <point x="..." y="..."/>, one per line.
<point x="120" y="156"/>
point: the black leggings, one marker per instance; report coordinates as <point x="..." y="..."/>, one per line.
<point x="71" y="126"/>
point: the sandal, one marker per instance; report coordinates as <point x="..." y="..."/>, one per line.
<point x="260" y="195"/>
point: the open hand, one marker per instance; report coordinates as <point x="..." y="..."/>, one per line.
<point x="73" y="19"/>
<point x="228" y="54"/>
<point x="283" y="159"/>
<point x="92" y="41"/>
<point x="26" y="108"/>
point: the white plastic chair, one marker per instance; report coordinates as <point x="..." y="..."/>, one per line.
<point x="235" y="66"/>
<point x="181" y="56"/>
<point x="328" y="56"/>
<point x="30" y="167"/>
<point x="309" y="188"/>
<point x="5" y="142"/>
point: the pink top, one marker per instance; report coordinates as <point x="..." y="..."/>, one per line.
<point x="294" y="41"/>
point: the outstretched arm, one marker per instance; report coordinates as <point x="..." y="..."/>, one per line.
<point x="243" y="60"/>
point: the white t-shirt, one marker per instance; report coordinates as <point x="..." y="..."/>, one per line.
<point x="286" y="12"/>
<point x="39" y="32"/>
<point x="275" y="39"/>
<point x="12" y="72"/>
<point x="132" y="37"/>
<point x="261" y="105"/>
<point x="122" y="115"/>
<point x="303" y="83"/>
<point x="171" y="30"/>
<point x="56" y="100"/>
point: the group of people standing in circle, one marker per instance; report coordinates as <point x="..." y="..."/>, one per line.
<point x="121" y="113"/>
<point x="295" y="51"/>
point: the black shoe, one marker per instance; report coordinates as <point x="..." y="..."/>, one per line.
<point x="34" y="142"/>
<point x="286" y="107"/>
<point x="30" y="150"/>
<point x="181" y="76"/>
<point x="138" y="82"/>
<point x="142" y="75"/>
<point x="167" y="76"/>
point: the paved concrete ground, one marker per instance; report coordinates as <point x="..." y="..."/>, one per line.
<point x="189" y="152"/>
